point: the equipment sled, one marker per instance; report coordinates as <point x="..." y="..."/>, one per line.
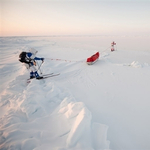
<point x="91" y="60"/>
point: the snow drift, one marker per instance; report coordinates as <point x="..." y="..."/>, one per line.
<point x="43" y="116"/>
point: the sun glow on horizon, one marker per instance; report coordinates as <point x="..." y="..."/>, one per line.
<point x="27" y="18"/>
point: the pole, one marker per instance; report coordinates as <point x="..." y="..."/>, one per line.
<point x="39" y="67"/>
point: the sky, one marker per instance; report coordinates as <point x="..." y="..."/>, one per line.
<point x="74" y="17"/>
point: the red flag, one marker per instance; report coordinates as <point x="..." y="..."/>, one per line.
<point x="113" y="43"/>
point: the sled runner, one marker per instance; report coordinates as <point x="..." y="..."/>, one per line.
<point x="91" y="60"/>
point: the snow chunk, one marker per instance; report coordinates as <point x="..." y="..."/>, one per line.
<point x="99" y="136"/>
<point x="70" y="108"/>
<point x="136" y="64"/>
<point x="30" y="143"/>
<point x="81" y="124"/>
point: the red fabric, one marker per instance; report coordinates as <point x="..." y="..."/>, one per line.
<point x="93" y="57"/>
<point x="112" y="49"/>
<point x="113" y="43"/>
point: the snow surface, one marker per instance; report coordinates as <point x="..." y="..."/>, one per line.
<point x="99" y="107"/>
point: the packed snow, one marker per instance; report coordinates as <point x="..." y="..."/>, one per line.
<point x="87" y="107"/>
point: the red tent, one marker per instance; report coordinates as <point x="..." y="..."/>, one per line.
<point x="91" y="60"/>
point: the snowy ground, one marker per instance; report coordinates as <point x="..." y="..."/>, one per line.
<point x="99" y="107"/>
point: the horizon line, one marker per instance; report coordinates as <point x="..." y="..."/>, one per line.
<point x="72" y="35"/>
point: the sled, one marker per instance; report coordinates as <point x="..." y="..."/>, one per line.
<point x="91" y="60"/>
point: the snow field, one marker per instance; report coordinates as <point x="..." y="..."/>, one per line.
<point x="99" y="107"/>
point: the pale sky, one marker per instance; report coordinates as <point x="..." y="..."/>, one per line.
<point x="74" y="17"/>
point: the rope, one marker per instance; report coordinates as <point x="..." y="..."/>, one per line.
<point x="63" y="60"/>
<point x="75" y="61"/>
<point x="106" y="49"/>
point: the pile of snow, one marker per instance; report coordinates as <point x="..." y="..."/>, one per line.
<point x="99" y="107"/>
<point x="42" y="115"/>
<point x="136" y="64"/>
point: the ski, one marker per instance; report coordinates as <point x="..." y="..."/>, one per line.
<point x="46" y="76"/>
<point x="53" y="75"/>
<point x="42" y="75"/>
